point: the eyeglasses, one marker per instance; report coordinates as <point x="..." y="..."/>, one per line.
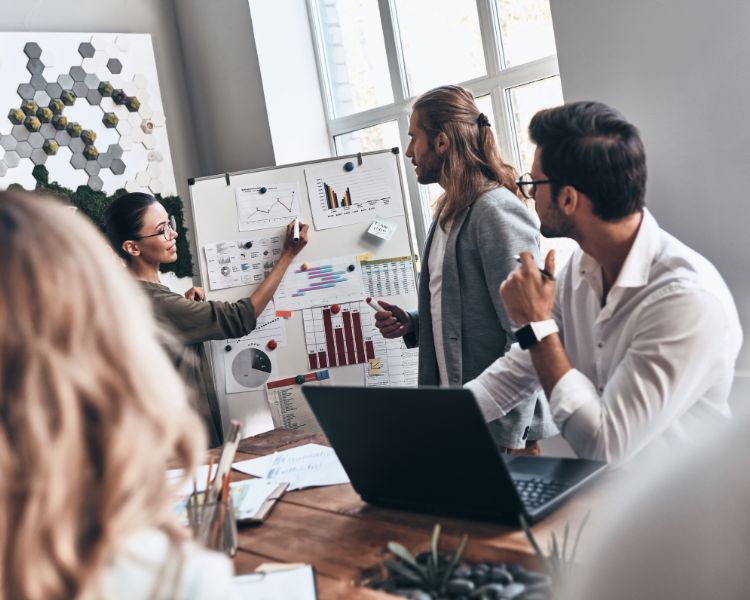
<point x="170" y="227"/>
<point x="526" y="180"/>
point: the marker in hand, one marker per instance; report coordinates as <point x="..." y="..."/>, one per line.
<point x="374" y="305"/>
<point x="295" y="234"/>
<point x="544" y="272"/>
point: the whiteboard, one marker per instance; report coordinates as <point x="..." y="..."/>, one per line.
<point x="215" y="218"/>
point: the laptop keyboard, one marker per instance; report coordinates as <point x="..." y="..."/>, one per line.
<point x="535" y="492"/>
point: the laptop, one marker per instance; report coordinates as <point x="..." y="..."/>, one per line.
<point x="429" y="450"/>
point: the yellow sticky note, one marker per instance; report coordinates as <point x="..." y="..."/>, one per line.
<point x="364" y="256"/>
<point x="374" y="366"/>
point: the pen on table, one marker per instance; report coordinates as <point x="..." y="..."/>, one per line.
<point x="295" y="235"/>
<point x="544" y="272"/>
<point x="374" y="305"/>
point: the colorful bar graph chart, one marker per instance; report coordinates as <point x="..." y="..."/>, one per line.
<point x="332" y="199"/>
<point x="336" y="279"/>
<point x="338" y="339"/>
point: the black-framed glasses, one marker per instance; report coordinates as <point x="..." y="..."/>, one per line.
<point x="169" y="228"/>
<point x="527" y="184"/>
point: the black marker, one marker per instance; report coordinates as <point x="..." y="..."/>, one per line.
<point x="544" y="272"/>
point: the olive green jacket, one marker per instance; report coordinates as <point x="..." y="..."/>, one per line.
<point x="193" y="323"/>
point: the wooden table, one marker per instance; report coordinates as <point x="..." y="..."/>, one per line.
<point x="332" y="529"/>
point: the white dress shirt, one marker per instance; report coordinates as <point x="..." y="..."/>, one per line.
<point x="653" y="365"/>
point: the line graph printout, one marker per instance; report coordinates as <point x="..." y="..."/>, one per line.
<point x="338" y="335"/>
<point x="327" y="281"/>
<point x="339" y="197"/>
<point x="266" y="207"/>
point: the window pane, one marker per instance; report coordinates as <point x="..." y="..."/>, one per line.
<point x="526" y="30"/>
<point x="441" y="42"/>
<point x="525" y="101"/>
<point x="355" y="56"/>
<point x="378" y="137"/>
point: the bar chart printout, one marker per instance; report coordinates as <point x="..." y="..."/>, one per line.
<point x="338" y="339"/>
<point x="305" y="285"/>
<point x="339" y="197"/>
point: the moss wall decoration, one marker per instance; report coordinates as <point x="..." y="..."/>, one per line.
<point x="93" y="203"/>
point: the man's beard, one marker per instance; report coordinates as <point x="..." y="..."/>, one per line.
<point x="429" y="172"/>
<point x="556" y="226"/>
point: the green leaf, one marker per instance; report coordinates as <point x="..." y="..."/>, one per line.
<point x="396" y="567"/>
<point x="532" y="540"/>
<point x="578" y="536"/>
<point x="566" y="534"/>
<point x="453" y="562"/>
<point x="403" y="554"/>
<point x="435" y="540"/>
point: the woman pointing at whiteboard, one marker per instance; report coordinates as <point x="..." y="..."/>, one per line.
<point x="142" y="232"/>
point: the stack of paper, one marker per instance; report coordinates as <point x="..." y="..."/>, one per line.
<point x="304" y="466"/>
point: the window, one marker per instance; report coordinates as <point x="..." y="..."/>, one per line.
<point x="375" y="56"/>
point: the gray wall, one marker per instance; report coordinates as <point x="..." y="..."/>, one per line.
<point x="226" y="92"/>
<point x="677" y="70"/>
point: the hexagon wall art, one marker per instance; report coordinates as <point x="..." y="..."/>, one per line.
<point x="88" y="107"/>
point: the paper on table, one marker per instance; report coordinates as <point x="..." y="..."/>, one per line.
<point x="291" y="584"/>
<point x="249" y="496"/>
<point x="304" y="466"/>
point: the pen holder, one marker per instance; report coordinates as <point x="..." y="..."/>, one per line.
<point x="213" y="523"/>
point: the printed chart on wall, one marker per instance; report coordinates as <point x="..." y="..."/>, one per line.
<point x="288" y="406"/>
<point x="247" y="366"/>
<point x="388" y="276"/>
<point x="339" y="197"/>
<point x="266" y="207"/>
<point x="394" y="364"/>
<point x="241" y="262"/>
<point x="338" y="335"/>
<point x="313" y="284"/>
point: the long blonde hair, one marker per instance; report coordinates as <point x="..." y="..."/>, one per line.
<point x="472" y="164"/>
<point x="91" y="409"/>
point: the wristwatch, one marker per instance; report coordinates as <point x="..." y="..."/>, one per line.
<point x="535" y="332"/>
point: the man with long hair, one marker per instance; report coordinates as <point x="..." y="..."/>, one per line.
<point x="648" y="330"/>
<point x="480" y="224"/>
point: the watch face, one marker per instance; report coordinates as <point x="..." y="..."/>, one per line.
<point x="526" y="337"/>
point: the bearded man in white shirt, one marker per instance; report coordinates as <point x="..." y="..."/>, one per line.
<point x="635" y="341"/>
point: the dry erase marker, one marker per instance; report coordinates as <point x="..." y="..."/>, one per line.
<point x="374" y="305"/>
<point x="295" y="235"/>
<point x="544" y="272"/>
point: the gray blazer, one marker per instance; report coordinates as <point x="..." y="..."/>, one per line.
<point x="476" y="331"/>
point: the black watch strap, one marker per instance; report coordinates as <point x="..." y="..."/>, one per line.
<point x="526" y="337"/>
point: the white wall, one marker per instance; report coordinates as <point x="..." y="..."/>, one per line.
<point x="290" y="80"/>
<point x="677" y="70"/>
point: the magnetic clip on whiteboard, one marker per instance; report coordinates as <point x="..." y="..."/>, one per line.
<point x="359" y="159"/>
<point x="226" y="177"/>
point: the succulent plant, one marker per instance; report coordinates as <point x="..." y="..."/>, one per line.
<point x="558" y="562"/>
<point x="431" y="574"/>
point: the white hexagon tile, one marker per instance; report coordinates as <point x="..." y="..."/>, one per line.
<point x="88" y="107"/>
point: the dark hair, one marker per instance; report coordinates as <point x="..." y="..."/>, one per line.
<point x="591" y="147"/>
<point x="473" y="164"/>
<point x="123" y="219"/>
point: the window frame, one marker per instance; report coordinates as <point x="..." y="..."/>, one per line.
<point x="497" y="83"/>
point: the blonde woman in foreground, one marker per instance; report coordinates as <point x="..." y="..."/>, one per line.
<point x="91" y="413"/>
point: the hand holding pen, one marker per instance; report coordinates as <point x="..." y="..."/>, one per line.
<point x="528" y="294"/>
